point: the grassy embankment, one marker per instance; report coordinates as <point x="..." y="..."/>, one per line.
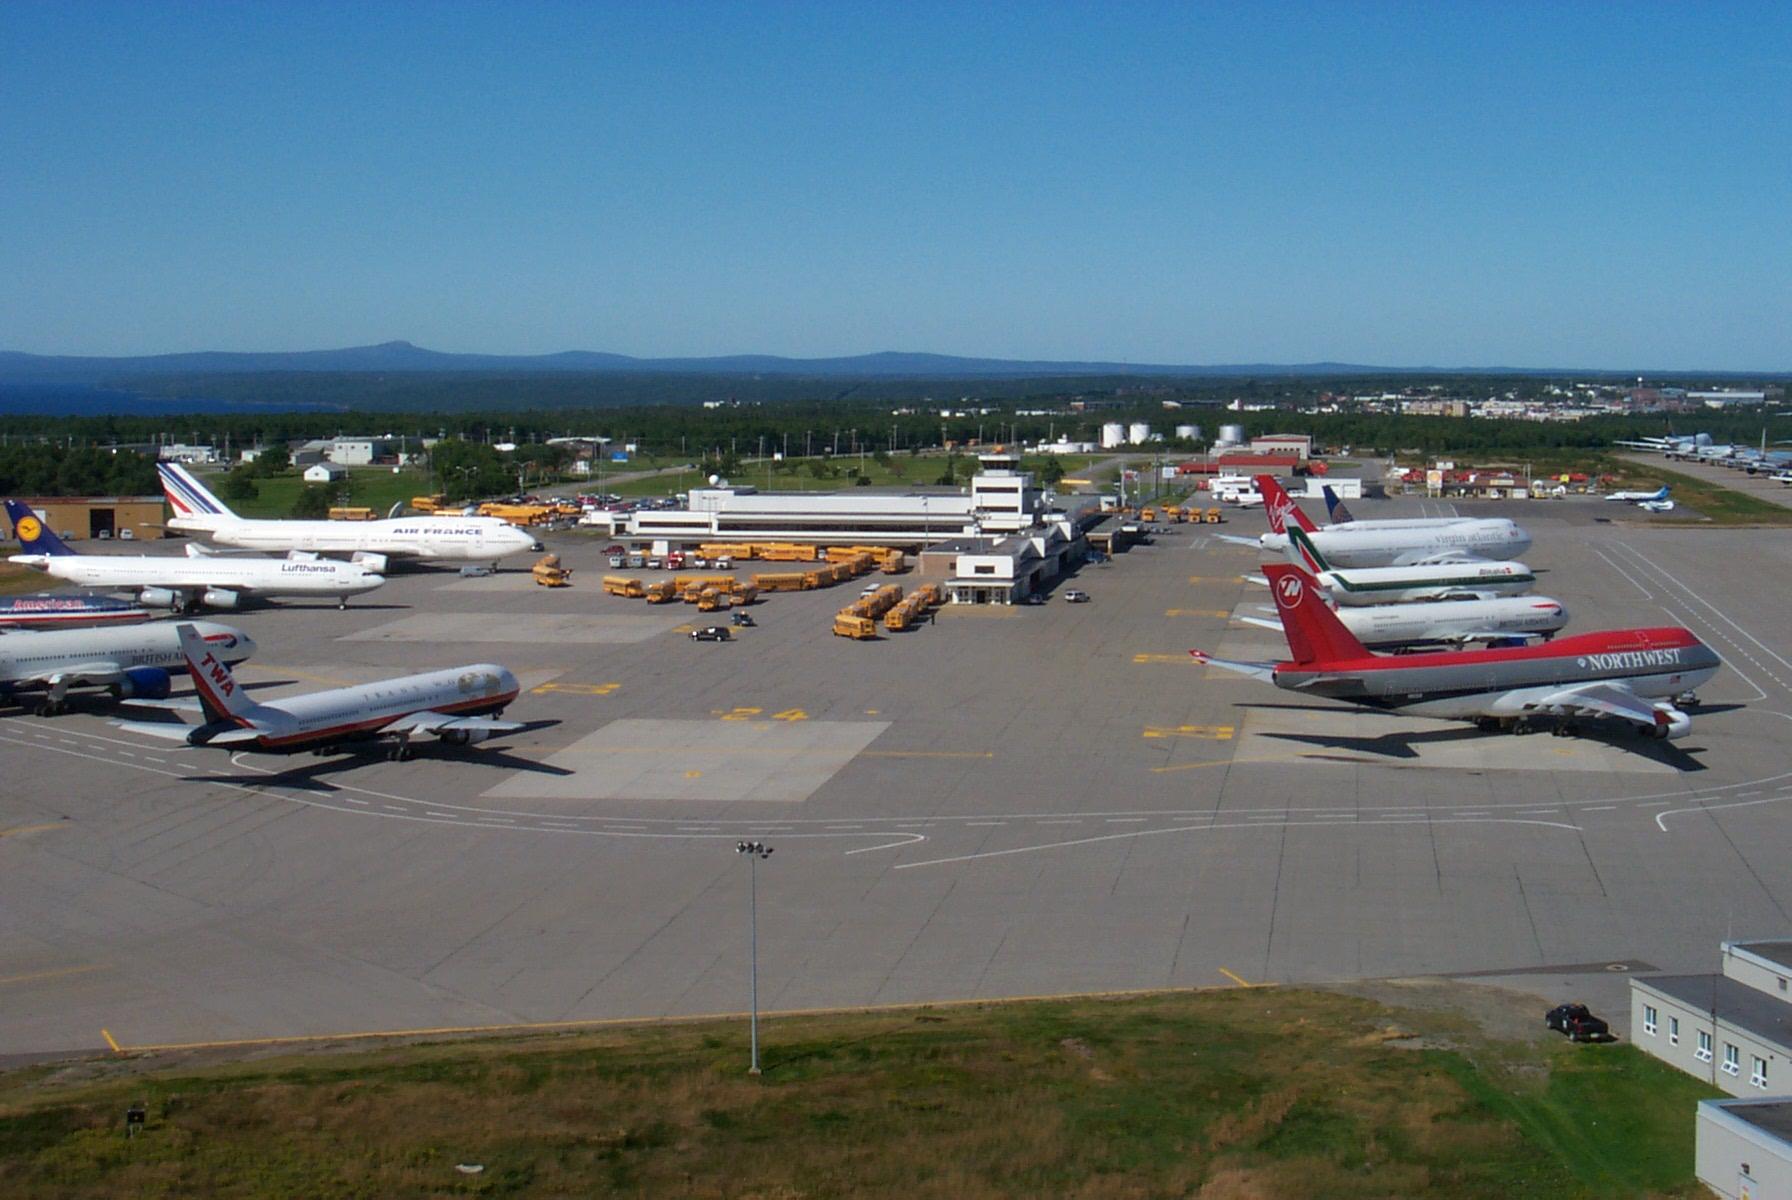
<point x="17" y="581"/>
<point x="1237" y="1094"/>
<point x="377" y="488"/>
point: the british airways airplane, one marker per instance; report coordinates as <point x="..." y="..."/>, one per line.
<point x="428" y="539"/>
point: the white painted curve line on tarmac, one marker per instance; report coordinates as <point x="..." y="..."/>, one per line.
<point x="908" y="839"/>
<point x="1662" y="817"/>
<point x="1145" y="833"/>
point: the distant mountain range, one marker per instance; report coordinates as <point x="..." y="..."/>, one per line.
<point x="17" y="367"/>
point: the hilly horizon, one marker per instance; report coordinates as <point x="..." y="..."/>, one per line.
<point x="403" y="356"/>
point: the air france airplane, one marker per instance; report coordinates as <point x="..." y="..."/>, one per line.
<point x="426" y="538"/>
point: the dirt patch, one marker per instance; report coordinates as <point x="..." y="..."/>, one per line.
<point x="1443" y="1010"/>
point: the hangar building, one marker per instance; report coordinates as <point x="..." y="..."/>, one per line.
<point x="76" y="517"/>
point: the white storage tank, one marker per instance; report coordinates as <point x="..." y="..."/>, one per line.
<point x="1230" y="435"/>
<point x="1113" y="434"/>
<point x="1188" y="433"/>
<point x="1139" y="433"/>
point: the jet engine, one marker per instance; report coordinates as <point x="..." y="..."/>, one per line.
<point x="219" y="598"/>
<point x="465" y="737"/>
<point x="143" y="683"/>
<point x="156" y="597"/>
<point x="373" y="562"/>
<point x="1671" y="723"/>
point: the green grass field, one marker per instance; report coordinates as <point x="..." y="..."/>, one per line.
<point x="20" y="581"/>
<point x="1233" y="1095"/>
<point x="377" y="488"/>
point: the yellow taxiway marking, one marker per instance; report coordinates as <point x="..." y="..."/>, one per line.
<point x="927" y="754"/>
<point x="1235" y="979"/>
<point x="1184" y="657"/>
<point x="740" y="713"/>
<point x="871" y="712"/>
<point x="55" y="973"/>
<point x="23" y="829"/>
<point x="693" y="774"/>
<point x="107" y="1034"/>
<point x="617" y="1022"/>
<point x="576" y="689"/>
<point x="1217" y="762"/>
<point x="1197" y="612"/>
<point x="1217" y="733"/>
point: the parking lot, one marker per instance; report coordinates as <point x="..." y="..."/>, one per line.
<point x="1005" y="801"/>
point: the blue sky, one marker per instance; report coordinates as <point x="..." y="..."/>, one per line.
<point x="1401" y="184"/>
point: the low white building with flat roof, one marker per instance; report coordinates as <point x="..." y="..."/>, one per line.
<point x="1744" y="1147"/>
<point x="1732" y="1029"/>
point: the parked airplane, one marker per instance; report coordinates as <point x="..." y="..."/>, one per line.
<point x="1659" y="494"/>
<point x="427" y="538"/>
<point x="455" y="705"/>
<point x="49" y="610"/>
<point x="1635" y="675"/>
<point x="129" y="661"/>
<point x="185" y="584"/>
<point x="1365" y="544"/>
<point x="1502" y="620"/>
<point x="1469" y="579"/>
<point x="1698" y="446"/>
<point x="1341" y="517"/>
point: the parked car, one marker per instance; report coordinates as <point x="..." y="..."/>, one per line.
<point x="475" y="571"/>
<point x="635" y="562"/>
<point x="127" y="535"/>
<point x="617" y="560"/>
<point x="1075" y="597"/>
<point x="744" y="620"/>
<point x="614" y="550"/>
<point x="711" y="633"/>
<point x="1577" y="1023"/>
<point x="1033" y="599"/>
<point x="653" y="564"/>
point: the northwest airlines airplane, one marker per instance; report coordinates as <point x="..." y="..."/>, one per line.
<point x="456" y="705"/>
<point x="428" y="539"/>
<point x="1634" y="675"/>
<point x="185" y="584"/>
<point x="1369" y="544"/>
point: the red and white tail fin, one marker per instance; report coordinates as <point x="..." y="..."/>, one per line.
<point x="1315" y="635"/>
<point x="220" y="695"/>
<point x="1280" y="506"/>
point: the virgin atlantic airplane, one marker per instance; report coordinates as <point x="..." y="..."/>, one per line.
<point x="1635" y="675"/>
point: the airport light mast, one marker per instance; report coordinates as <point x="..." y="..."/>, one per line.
<point x="754" y="852"/>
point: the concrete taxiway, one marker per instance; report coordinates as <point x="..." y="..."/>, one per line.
<point x="1003" y="802"/>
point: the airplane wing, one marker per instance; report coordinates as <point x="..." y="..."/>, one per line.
<point x="1256" y="670"/>
<point x="169" y="731"/>
<point x="443" y="723"/>
<point x="1610" y="700"/>
<point x="180" y="704"/>
<point x="60" y="679"/>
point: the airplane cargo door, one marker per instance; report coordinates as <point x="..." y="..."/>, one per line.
<point x="102" y="522"/>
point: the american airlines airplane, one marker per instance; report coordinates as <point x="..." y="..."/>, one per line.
<point x="427" y="539"/>
<point x="127" y="661"/>
<point x="1634" y="675"/>
<point x="185" y="584"/>
<point x="456" y="705"/>
<point x="1365" y="544"/>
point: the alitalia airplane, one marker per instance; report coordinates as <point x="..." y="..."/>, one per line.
<point x="425" y="538"/>
<point x="457" y="705"/>
<point x="1641" y="676"/>
<point x="1370" y="544"/>
<point x="1471" y="579"/>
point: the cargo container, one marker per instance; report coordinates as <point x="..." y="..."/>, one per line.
<point x="622" y="585"/>
<point x="661" y="592"/>
<point x="860" y="628"/>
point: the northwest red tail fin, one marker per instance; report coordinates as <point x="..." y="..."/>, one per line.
<point x="1280" y="506"/>
<point x="1315" y="635"/>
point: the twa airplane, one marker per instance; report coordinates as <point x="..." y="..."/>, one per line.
<point x="455" y="705"/>
<point x="1634" y="675"/>
<point x="430" y="539"/>
<point x="1371" y="544"/>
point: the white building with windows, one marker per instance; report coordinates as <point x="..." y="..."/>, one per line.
<point x="1732" y="1029"/>
<point x="1744" y="1147"/>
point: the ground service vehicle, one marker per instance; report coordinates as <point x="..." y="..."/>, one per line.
<point x="549" y="573"/>
<point x="1577" y="1023"/>
<point x="744" y="620"/>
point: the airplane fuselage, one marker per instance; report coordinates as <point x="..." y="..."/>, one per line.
<point x="1351" y="546"/>
<point x="263" y="577"/>
<point x="364" y="711"/>
<point x="428" y="539"/>
<point x="26" y="656"/>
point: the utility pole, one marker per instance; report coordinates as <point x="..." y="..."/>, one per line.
<point x="754" y="852"/>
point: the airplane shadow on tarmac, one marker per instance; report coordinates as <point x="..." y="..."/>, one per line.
<point x="1406" y="745"/>
<point x="307" y="773"/>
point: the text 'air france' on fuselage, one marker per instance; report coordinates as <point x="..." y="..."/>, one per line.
<point x="186" y="583"/>
<point x="424" y="538"/>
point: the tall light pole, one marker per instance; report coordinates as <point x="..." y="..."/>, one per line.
<point x="754" y="852"/>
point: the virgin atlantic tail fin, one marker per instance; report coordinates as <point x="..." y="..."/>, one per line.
<point x="1315" y="635"/>
<point x="1280" y="507"/>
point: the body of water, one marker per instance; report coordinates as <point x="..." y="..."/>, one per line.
<point x="80" y="400"/>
